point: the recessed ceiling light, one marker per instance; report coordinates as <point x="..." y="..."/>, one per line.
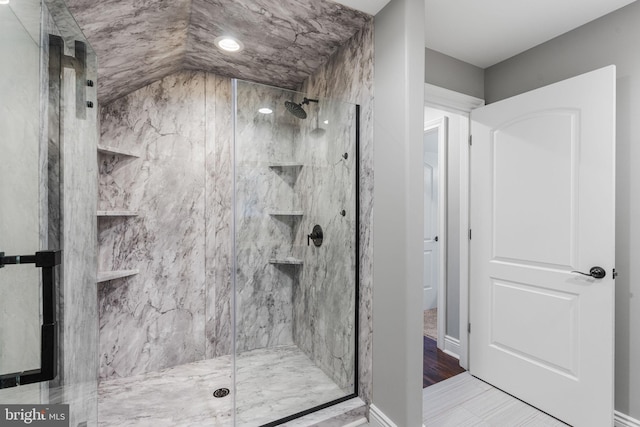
<point x="326" y="122"/>
<point x="4" y="1"/>
<point x="265" y="110"/>
<point x="228" y="44"/>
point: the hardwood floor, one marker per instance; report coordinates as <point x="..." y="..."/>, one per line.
<point x="436" y="365"/>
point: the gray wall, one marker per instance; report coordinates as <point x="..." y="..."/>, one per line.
<point x="451" y="73"/>
<point x="612" y="39"/>
<point x="398" y="201"/>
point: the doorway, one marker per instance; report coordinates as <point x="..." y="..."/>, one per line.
<point x="445" y="138"/>
<point x="434" y="230"/>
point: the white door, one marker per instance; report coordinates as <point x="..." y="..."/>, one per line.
<point x="430" y="245"/>
<point x="542" y="206"/>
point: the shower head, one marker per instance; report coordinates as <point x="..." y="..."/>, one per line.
<point x="296" y="109"/>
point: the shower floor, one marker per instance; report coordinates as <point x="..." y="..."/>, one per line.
<point x="271" y="384"/>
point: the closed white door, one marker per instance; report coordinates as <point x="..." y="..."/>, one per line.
<point x="542" y="207"/>
<point x="430" y="244"/>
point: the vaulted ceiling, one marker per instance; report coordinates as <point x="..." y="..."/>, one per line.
<point x="141" y="41"/>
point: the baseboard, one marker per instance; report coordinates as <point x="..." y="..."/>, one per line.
<point x="622" y="420"/>
<point x="452" y="346"/>
<point x="377" y="418"/>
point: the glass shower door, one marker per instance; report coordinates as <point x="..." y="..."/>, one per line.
<point x="48" y="322"/>
<point x="295" y="253"/>
<point x="20" y="191"/>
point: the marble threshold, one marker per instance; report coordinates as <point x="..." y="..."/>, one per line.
<point x="272" y="383"/>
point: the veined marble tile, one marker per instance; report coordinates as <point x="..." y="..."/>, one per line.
<point x="155" y="319"/>
<point x="271" y="384"/>
<point x="265" y="293"/>
<point x="263" y="290"/>
<point x="219" y="208"/>
<point x="137" y="42"/>
<point x="141" y="42"/>
<point x="348" y="76"/>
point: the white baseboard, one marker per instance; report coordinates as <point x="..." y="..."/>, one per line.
<point x="452" y="346"/>
<point x="622" y="420"/>
<point x="378" y="419"/>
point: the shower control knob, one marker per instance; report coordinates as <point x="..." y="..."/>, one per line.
<point x="316" y="235"/>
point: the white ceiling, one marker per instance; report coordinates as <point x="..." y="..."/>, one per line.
<point x="485" y="32"/>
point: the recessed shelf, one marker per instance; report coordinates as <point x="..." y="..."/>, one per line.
<point x="105" y="276"/>
<point x="285" y="165"/>
<point x="112" y="150"/>
<point x="285" y="213"/>
<point x="286" y="261"/>
<point x="117" y="213"/>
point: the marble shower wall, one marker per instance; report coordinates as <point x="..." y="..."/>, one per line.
<point x="348" y="76"/>
<point x="219" y="201"/>
<point x="266" y="201"/>
<point x="324" y="298"/>
<point x="181" y="242"/>
<point x="155" y="319"/>
<point x="178" y="309"/>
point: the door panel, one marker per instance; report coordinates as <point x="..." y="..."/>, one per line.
<point x="532" y="155"/>
<point x="542" y="207"/>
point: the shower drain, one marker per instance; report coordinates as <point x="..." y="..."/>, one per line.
<point x="221" y="392"/>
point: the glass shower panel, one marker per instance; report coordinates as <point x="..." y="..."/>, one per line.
<point x="295" y="253"/>
<point x="20" y="189"/>
<point x="48" y="328"/>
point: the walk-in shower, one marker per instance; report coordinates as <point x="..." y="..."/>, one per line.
<point x="224" y="291"/>
<point x="296" y="252"/>
<point x="271" y="329"/>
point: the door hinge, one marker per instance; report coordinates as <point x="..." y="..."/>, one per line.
<point x="469" y="234"/>
<point x="469" y="327"/>
<point x="615" y="273"/>
<point x="470" y="140"/>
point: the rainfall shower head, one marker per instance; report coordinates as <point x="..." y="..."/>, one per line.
<point x="296" y="109"/>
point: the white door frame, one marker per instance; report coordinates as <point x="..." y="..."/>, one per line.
<point x="448" y="100"/>
<point x="442" y="126"/>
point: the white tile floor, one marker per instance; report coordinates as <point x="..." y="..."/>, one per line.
<point x="464" y="401"/>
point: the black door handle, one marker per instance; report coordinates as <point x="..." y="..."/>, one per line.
<point x="595" y="272"/>
<point x="47" y="261"/>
